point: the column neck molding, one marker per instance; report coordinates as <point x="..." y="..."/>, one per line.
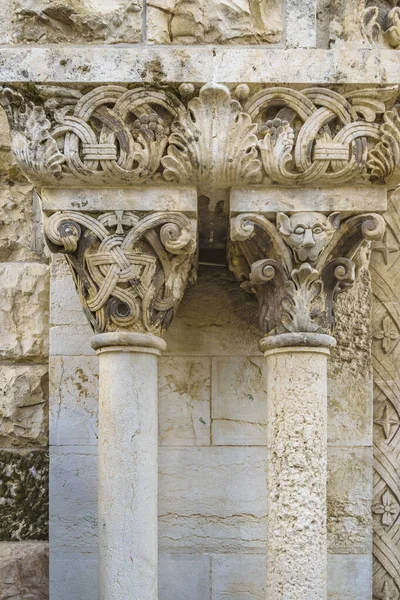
<point x="297" y="265"/>
<point x="116" y="135"/>
<point x="130" y="268"/>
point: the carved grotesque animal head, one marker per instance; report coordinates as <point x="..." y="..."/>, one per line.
<point x="307" y="233"/>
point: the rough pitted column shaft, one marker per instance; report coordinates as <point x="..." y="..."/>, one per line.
<point x="128" y="465"/>
<point x="296" y="473"/>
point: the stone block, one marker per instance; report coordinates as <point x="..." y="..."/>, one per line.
<point x="24" y="300"/>
<point x="73" y="498"/>
<point x="20" y="236"/>
<point x="215" y="318"/>
<point x="72" y="21"/>
<point x="212" y="499"/>
<point x="73" y="576"/>
<point x="24" y="571"/>
<point x="23" y="495"/>
<point x="65" y="306"/>
<point x="74" y="391"/>
<point x="213" y="21"/>
<point x="301" y="24"/>
<point x="71" y="340"/>
<point x="183" y="576"/>
<point x="23" y="405"/>
<point x="239" y="402"/>
<point x="238" y="577"/>
<point x="184" y="401"/>
<point x="349" y="498"/>
<point x="349" y="577"/>
<point x="350" y="388"/>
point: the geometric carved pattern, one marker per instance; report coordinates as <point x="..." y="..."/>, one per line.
<point x="130" y="269"/>
<point x="385" y="269"/>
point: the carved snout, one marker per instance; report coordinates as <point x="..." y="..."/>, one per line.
<point x="308" y="241"/>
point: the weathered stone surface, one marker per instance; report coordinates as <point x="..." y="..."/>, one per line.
<point x="238" y="577"/>
<point x="23" y="495"/>
<point x="73" y="575"/>
<point x="239" y="401"/>
<point x="212" y="499"/>
<point x="209" y="21"/>
<point x="65" y="308"/>
<point x="301" y="20"/>
<point x="73" y="21"/>
<point x="184" y="401"/>
<point x="24" y="310"/>
<point x="74" y="394"/>
<point x="23" y="405"/>
<point x="73" y="499"/>
<point x="20" y="228"/>
<point x="349" y="498"/>
<point x="349" y="368"/>
<point x="174" y="580"/>
<point x="24" y="571"/>
<point x="9" y="172"/>
<point x="349" y="576"/>
<point x="203" y="324"/>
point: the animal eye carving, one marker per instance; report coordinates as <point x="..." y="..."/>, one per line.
<point x="317" y="230"/>
<point x="299" y="230"/>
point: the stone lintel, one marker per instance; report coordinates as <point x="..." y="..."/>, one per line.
<point x="348" y="200"/>
<point x="163" y="198"/>
<point x="93" y="64"/>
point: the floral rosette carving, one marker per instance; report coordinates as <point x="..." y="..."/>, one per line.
<point x="130" y="270"/>
<point x="298" y="266"/>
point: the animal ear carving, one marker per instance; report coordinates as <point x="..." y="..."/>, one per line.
<point x="334" y="219"/>
<point x="283" y="223"/>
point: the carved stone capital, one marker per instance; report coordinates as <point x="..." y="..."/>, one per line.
<point x="213" y="135"/>
<point x="130" y="268"/>
<point x="298" y="264"/>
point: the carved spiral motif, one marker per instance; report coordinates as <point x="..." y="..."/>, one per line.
<point x="131" y="272"/>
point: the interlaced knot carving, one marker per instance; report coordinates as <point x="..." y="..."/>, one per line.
<point x="130" y="270"/>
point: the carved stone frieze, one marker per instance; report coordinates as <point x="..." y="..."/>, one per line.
<point x="215" y="136"/>
<point x="298" y="265"/>
<point x="130" y="269"/>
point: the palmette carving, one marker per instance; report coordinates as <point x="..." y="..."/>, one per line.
<point x="130" y="270"/>
<point x="295" y="276"/>
<point x="115" y="135"/>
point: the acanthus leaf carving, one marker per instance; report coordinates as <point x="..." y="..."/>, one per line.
<point x="130" y="270"/>
<point x="298" y="266"/>
<point x="214" y="140"/>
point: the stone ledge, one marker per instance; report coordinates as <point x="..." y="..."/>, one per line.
<point x="156" y="64"/>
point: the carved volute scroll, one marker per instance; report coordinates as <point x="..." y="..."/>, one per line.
<point x="116" y="135"/>
<point x="130" y="269"/>
<point x="298" y="265"/>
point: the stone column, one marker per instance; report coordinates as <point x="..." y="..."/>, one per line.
<point x="297" y="264"/>
<point x="130" y="269"/>
<point x="128" y="465"/>
<point x="296" y="471"/>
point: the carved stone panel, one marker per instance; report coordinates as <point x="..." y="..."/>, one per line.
<point x="214" y="21"/>
<point x="385" y="270"/>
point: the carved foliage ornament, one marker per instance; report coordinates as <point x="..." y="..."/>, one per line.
<point x="298" y="266"/>
<point x="113" y="134"/>
<point x="130" y="270"/>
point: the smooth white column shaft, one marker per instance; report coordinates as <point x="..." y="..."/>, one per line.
<point x="296" y="473"/>
<point x="128" y="472"/>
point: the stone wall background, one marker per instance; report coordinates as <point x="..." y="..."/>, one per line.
<point x="24" y="310"/>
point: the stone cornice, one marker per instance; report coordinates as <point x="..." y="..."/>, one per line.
<point x="117" y="135"/>
<point x="155" y="64"/>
